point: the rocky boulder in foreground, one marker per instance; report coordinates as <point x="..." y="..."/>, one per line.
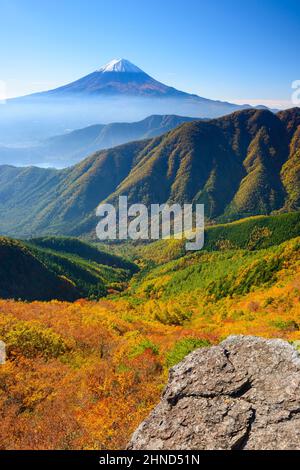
<point x="242" y="394"/>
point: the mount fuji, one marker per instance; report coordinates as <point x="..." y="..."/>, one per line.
<point x="118" y="77"/>
<point x="117" y="92"/>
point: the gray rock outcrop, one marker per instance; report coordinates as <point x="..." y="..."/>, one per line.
<point x="242" y="394"/>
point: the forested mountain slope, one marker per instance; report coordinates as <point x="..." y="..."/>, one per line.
<point x="240" y="165"/>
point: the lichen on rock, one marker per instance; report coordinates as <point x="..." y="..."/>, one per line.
<point x="242" y="394"/>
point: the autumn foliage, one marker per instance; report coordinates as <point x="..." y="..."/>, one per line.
<point x="83" y="375"/>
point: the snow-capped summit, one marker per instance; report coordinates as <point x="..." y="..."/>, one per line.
<point x="120" y="65"/>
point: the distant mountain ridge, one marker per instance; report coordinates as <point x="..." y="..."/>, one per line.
<point x="240" y="165"/>
<point x="67" y="149"/>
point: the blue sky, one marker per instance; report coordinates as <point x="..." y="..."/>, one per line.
<point x="222" y="49"/>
